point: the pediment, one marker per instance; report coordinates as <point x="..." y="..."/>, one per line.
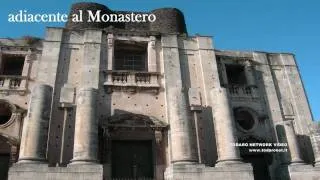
<point x="135" y="120"/>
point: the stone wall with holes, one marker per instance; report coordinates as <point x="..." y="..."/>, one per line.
<point x="274" y="92"/>
<point x="64" y="51"/>
<point x="71" y="59"/>
<point x="197" y="60"/>
<point x="248" y="96"/>
<point x="62" y="67"/>
<point x="279" y="91"/>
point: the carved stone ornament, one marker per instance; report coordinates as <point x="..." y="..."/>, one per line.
<point x="110" y="40"/>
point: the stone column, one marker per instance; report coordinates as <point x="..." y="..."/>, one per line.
<point x="152" y="59"/>
<point x="182" y="136"/>
<point x="292" y="142"/>
<point x="249" y="72"/>
<point x="224" y="128"/>
<point x="110" y="51"/>
<point x="26" y="71"/>
<point x="224" y="77"/>
<point x="315" y="139"/>
<point x="85" y="149"/>
<point x="110" y="45"/>
<point x="86" y="127"/>
<point x="35" y="127"/>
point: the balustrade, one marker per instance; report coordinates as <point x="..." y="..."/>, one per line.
<point x="10" y="82"/>
<point x="242" y="91"/>
<point x="132" y="78"/>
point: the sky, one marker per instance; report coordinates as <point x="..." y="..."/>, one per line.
<point x="260" y="25"/>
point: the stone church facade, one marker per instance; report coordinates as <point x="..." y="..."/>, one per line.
<point x="148" y="101"/>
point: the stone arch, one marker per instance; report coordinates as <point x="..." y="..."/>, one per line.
<point x="7" y="113"/>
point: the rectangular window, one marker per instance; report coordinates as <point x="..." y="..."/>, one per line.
<point x="12" y="64"/>
<point x="131" y="56"/>
<point x="236" y="74"/>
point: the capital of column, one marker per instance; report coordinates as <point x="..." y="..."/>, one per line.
<point x="152" y="59"/>
<point x="110" y="38"/>
<point x="152" y="41"/>
<point x="29" y="57"/>
<point x="249" y="73"/>
<point x="247" y="63"/>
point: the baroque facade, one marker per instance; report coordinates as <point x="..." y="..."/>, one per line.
<point x="148" y="101"/>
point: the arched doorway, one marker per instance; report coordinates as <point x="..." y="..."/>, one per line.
<point x="260" y="161"/>
<point x="133" y="146"/>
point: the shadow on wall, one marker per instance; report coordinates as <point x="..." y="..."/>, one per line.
<point x="306" y="148"/>
<point x="206" y="137"/>
<point x="280" y="165"/>
<point x="304" y="143"/>
<point x="284" y="158"/>
<point x="206" y="122"/>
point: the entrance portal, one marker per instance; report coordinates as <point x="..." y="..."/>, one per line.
<point x="132" y="159"/>
<point x="260" y="161"/>
<point x="260" y="166"/>
<point x="4" y="165"/>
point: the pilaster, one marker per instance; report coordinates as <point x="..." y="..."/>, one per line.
<point x="181" y="135"/>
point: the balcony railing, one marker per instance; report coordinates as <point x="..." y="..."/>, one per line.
<point x="132" y="79"/>
<point x="13" y="82"/>
<point x="242" y="91"/>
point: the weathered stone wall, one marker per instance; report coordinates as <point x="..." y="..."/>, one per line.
<point x="169" y="20"/>
<point x="78" y="63"/>
<point x="18" y="98"/>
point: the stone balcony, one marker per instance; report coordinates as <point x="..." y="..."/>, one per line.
<point x="13" y="83"/>
<point x="132" y="80"/>
<point x="243" y="91"/>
